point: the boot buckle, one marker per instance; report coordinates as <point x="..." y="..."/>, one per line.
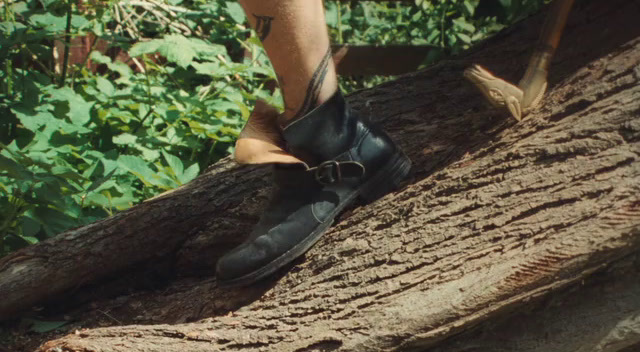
<point x="328" y="173"/>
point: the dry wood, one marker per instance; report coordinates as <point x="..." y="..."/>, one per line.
<point x="601" y="315"/>
<point x="499" y="213"/>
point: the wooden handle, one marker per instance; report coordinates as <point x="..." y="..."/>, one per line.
<point x="534" y="82"/>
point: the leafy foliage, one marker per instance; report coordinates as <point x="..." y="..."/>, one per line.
<point x="78" y="144"/>
<point x="447" y="26"/>
<point x="78" y="149"/>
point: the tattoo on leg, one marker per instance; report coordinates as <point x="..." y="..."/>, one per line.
<point x="263" y="26"/>
<point x="313" y="90"/>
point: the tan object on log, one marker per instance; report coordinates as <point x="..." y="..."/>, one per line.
<point x="521" y="99"/>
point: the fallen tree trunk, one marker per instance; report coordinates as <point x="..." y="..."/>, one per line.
<point x="498" y="214"/>
<point x="601" y="315"/>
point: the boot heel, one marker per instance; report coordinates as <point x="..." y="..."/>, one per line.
<point x="388" y="179"/>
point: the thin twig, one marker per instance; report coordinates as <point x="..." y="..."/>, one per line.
<point x="67" y="44"/>
<point x="138" y="64"/>
<point x="34" y="57"/>
<point x="167" y="8"/>
<point x="117" y="9"/>
<point x="143" y="120"/>
<point x="116" y="13"/>
<point x="129" y="14"/>
<point x="171" y="23"/>
<point x="132" y="29"/>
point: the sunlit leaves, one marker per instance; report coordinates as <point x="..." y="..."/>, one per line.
<point x="235" y="11"/>
<point x="117" y="134"/>
<point x="78" y="108"/>
<point x="178" y="49"/>
<point x="451" y="25"/>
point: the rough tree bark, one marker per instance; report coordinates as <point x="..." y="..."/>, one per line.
<point x="601" y="315"/>
<point x="498" y="213"/>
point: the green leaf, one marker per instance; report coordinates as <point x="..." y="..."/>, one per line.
<point x="13" y="169"/>
<point x="30" y="227"/>
<point x="19" y="7"/>
<point x="138" y="167"/>
<point x="178" y="49"/>
<point x="79" y="22"/>
<point x="235" y="11"/>
<point x="79" y="109"/>
<point x="41" y="326"/>
<point x="175" y="47"/>
<point x="30" y="239"/>
<point x="470" y="6"/>
<point x="105" y="86"/>
<point x="125" y="139"/>
<point x="174" y="163"/>
<point x="189" y="174"/>
<point x="433" y="37"/>
<point x="465" y="38"/>
<point x="331" y="14"/>
<point x="464" y="25"/>
<point x="66" y="173"/>
<point x="148" y="153"/>
<point x="97" y="199"/>
<point x="208" y="68"/>
<point x="34" y="120"/>
<point x="121" y="68"/>
<point x="53" y="220"/>
<point x="124" y="201"/>
<point x="10" y="27"/>
<point x="99" y="182"/>
<point x="100" y="57"/>
<point x="49" y="22"/>
<point x="146" y="47"/>
<point x="46" y="3"/>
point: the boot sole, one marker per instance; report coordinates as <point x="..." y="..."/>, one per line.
<point x="388" y="179"/>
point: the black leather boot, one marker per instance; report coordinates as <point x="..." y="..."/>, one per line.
<point x="347" y="157"/>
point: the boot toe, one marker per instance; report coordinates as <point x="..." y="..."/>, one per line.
<point x="244" y="260"/>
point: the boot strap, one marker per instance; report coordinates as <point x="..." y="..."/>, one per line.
<point x="332" y="171"/>
<point x="327" y="173"/>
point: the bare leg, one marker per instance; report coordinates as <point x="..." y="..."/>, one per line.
<point x="294" y="34"/>
<point x="332" y="154"/>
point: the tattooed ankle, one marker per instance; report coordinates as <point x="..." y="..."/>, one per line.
<point x="313" y="90"/>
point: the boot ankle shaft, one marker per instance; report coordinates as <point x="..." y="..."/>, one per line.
<point x="324" y="133"/>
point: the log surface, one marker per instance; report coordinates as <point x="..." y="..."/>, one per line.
<point x="498" y="213"/>
<point x="599" y="315"/>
